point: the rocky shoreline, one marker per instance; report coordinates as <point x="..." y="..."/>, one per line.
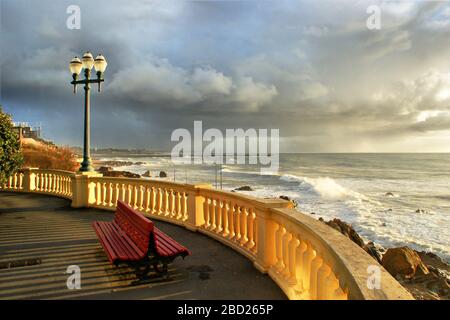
<point x="424" y="274"/>
<point x="106" y="167"/>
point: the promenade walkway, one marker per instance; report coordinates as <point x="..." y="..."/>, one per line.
<point x="40" y="236"/>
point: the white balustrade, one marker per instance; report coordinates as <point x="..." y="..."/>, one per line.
<point x="305" y="257"/>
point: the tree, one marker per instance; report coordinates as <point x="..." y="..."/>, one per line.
<point x="10" y="155"/>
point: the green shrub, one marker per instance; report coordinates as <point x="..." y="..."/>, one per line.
<point x="10" y="155"/>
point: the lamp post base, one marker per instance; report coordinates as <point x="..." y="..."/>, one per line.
<point x="86" y="166"/>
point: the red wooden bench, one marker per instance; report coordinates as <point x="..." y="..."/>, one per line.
<point x="133" y="239"/>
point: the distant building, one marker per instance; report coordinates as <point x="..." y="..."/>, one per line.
<point x="24" y="130"/>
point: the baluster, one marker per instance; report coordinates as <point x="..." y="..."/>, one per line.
<point x="322" y="276"/>
<point x="46" y="181"/>
<point x="98" y="196"/>
<point x="127" y="193"/>
<point x="212" y="213"/>
<point x="315" y="266"/>
<point x="134" y="196"/>
<point x="219" y="205"/>
<point x="14" y="181"/>
<point x="279" y="266"/>
<point x="166" y="202"/>
<point x="41" y="182"/>
<point x="146" y="203"/>
<point x="244" y="236"/>
<point x="153" y="193"/>
<point x="237" y="221"/>
<point x="293" y="245"/>
<point x="171" y="195"/>
<point x="159" y="201"/>
<point x="120" y="192"/>
<point x="52" y="182"/>
<point x="206" y="215"/>
<point x="178" y="198"/>
<point x="307" y="261"/>
<point x="256" y="234"/>
<point x="250" y="229"/>
<point x="140" y="197"/>
<point x="114" y="194"/>
<point x="285" y="250"/>
<point x="231" y="232"/>
<point x="331" y="285"/>
<point x="299" y="265"/>
<point x="104" y="194"/>
<point x="225" y="228"/>
<point x="58" y="184"/>
<point x="64" y="185"/>
<point x="184" y="199"/>
<point x="49" y="183"/>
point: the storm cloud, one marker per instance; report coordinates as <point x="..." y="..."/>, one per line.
<point x="310" y="68"/>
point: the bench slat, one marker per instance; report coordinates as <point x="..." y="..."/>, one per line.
<point x="166" y="246"/>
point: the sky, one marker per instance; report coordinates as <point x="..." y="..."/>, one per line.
<point x="312" y="69"/>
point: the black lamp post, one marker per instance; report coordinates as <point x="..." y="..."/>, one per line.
<point x="76" y="65"/>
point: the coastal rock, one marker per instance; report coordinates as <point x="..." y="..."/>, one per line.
<point x="347" y="230"/>
<point x="139" y="163"/>
<point x="244" y="188"/>
<point x="371" y="249"/>
<point x="403" y="262"/>
<point x="294" y="202"/>
<point x="120" y="174"/>
<point x="147" y="174"/>
<point x="162" y="174"/>
<point x="104" y="169"/>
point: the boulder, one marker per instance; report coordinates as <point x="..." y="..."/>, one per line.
<point x="403" y="262"/>
<point x="147" y="174"/>
<point x="347" y="230"/>
<point x="294" y="202"/>
<point x="162" y="174"/>
<point x="371" y="249"/>
<point x="244" y="188"/>
<point x="120" y="174"/>
<point x="104" y="169"/>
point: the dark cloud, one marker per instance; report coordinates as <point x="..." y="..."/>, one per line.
<point x="309" y="68"/>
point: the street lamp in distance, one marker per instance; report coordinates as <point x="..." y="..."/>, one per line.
<point x="87" y="62"/>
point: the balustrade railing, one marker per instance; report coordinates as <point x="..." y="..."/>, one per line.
<point x="305" y="257"/>
<point x="167" y="201"/>
<point x="14" y="182"/>
<point x="53" y="182"/>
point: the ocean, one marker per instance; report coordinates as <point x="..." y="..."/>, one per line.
<point x="391" y="199"/>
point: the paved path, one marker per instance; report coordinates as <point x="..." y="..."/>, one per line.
<point x="41" y="236"/>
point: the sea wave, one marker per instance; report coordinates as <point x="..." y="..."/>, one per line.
<point x="325" y="187"/>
